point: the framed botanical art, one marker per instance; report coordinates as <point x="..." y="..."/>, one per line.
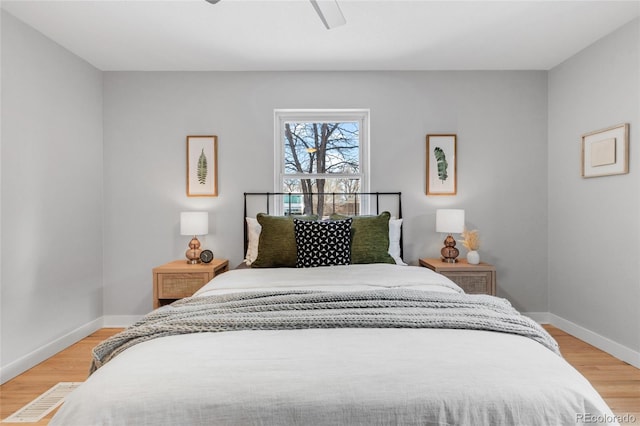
<point x="202" y="166"/>
<point x="441" y="165"/>
<point x="606" y="152"/>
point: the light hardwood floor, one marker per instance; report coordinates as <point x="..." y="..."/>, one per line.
<point x="616" y="381"/>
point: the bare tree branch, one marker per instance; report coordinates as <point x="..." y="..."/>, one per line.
<point x="322" y="148"/>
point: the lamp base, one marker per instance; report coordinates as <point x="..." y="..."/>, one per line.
<point x="193" y="253"/>
<point x="449" y="252"/>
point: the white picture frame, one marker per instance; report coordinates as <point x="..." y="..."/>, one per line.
<point x="202" y="166"/>
<point x="605" y="152"/>
<point x="442" y="173"/>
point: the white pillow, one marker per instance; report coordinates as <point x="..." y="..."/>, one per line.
<point x="254" y="228"/>
<point x="395" y="229"/>
<point x="253" y="232"/>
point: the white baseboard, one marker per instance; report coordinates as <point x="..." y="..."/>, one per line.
<point x="619" y="351"/>
<point x="21" y="365"/>
<point x="539" y="317"/>
<point x="119" y="321"/>
<point x="44" y="352"/>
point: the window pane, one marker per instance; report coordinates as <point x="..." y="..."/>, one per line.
<point x="305" y="200"/>
<point x="321" y="147"/>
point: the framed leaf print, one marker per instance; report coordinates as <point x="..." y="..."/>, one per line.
<point x="441" y="165"/>
<point x="202" y="166"/>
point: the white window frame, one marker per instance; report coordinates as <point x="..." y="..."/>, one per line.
<point x="282" y="116"/>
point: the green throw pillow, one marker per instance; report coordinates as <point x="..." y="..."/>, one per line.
<point x="370" y="238"/>
<point x="277" y="243"/>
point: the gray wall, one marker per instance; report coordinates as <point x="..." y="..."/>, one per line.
<point x="550" y="233"/>
<point x="500" y="119"/>
<point x="51" y="168"/>
<point x="594" y="224"/>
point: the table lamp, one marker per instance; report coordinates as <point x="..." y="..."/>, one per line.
<point x="194" y="224"/>
<point x="449" y="221"/>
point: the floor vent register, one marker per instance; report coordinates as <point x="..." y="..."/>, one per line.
<point x="44" y="404"/>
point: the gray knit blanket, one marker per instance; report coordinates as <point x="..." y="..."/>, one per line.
<point x="290" y="310"/>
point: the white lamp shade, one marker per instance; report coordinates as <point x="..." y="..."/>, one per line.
<point x="194" y="223"/>
<point x="450" y="221"/>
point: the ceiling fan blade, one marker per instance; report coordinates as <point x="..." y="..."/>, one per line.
<point x="329" y="12"/>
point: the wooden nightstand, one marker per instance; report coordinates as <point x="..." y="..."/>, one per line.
<point x="474" y="279"/>
<point x="178" y="279"/>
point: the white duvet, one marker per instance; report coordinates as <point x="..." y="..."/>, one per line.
<point x="335" y="376"/>
<point x="335" y="278"/>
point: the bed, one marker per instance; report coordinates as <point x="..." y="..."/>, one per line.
<point x="346" y="344"/>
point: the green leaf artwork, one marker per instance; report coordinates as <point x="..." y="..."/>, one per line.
<point x="202" y="168"/>
<point x="442" y="163"/>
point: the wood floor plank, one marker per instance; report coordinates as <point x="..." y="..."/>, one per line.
<point x="617" y="381"/>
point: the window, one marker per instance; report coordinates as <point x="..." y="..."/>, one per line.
<point x="321" y="151"/>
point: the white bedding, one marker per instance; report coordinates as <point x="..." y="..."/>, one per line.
<point x="334" y="278"/>
<point x="334" y="376"/>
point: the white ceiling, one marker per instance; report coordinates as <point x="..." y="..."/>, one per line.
<point x="288" y="35"/>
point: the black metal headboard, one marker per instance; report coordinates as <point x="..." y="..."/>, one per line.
<point x="269" y="201"/>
